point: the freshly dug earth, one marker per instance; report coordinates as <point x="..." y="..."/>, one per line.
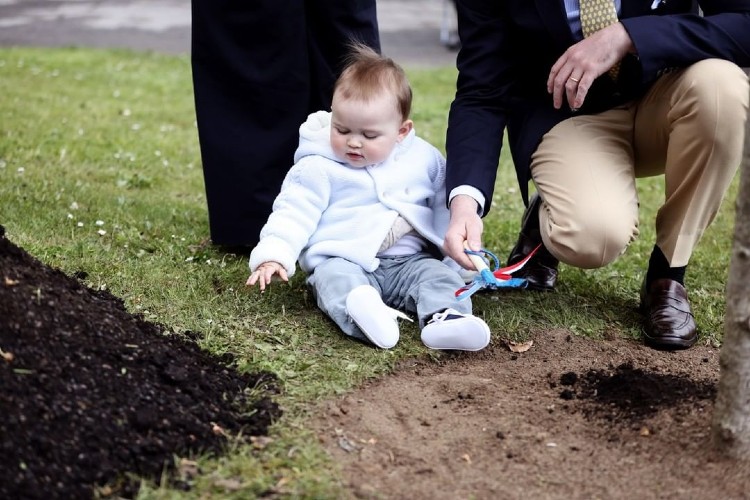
<point x="89" y="392"/>
<point x="571" y="418"/>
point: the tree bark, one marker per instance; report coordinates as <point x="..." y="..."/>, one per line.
<point x="731" y="418"/>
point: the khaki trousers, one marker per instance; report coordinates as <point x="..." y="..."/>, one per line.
<point x="689" y="127"/>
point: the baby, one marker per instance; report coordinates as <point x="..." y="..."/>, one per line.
<point x="364" y="212"/>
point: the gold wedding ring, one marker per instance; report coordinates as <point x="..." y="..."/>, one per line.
<point x="574" y="79"/>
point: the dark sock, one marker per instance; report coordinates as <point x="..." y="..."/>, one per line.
<point x="658" y="268"/>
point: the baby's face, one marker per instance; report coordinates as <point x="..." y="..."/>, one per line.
<point x="365" y="133"/>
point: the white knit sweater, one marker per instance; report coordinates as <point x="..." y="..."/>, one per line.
<point x="327" y="208"/>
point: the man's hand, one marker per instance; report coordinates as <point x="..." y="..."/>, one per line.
<point x="465" y="225"/>
<point x="574" y="73"/>
<point x="264" y="272"/>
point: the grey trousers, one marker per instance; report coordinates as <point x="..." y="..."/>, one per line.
<point x="416" y="283"/>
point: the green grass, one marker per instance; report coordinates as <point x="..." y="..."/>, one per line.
<point x="100" y="172"/>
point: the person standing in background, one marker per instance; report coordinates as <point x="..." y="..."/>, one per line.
<point x="259" y="69"/>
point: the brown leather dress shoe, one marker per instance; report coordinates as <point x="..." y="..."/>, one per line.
<point x="669" y="322"/>
<point x="541" y="271"/>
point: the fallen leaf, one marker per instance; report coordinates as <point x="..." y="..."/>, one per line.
<point x="230" y="484"/>
<point x="282" y="482"/>
<point x="11" y="282"/>
<point x="105" y="491"/>
<point x="466" y="458"/>
<point x="520" y="346"/>
<point x="260" y="442"/>
<point x="188" y="469"/>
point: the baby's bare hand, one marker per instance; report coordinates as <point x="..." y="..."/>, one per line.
<point x="265" y="272"/>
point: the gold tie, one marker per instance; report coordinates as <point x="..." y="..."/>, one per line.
<point x="595" y="15"/>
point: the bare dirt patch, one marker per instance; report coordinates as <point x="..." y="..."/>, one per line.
<point x="570" y="418"/>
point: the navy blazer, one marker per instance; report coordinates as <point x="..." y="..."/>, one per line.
<point x="509" y="46"/>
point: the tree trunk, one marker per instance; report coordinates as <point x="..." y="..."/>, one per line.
<point x="731" y="418"/>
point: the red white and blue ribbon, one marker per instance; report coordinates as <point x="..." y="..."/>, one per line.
<point x="500" y="277"/>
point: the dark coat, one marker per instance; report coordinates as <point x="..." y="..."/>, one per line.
<point x="259" y="68"/>
<point x="509" y="46"/>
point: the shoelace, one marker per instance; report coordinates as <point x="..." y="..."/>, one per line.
<point x="445" y="315"/>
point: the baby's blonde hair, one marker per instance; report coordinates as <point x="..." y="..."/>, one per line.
<point x="367" y="74"/>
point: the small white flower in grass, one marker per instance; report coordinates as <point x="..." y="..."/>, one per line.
<point x="190" y="259"/>
<point x="70" y="216"/>
<point x="165" y="163"/>
<point x="80" y="131"/>
<point x="157" y="152"/>
<point x="208" y="261"/>
<point x="3" y="164"/>
<point x="116" y="93"/>
<point x="21" y="170"/>
<point x="102" y="232"/>
<point x="136" y="126"/>
<point x="80" y="224"/>
<point x="74" y="205"/>
<point x="126" y="112"/>
<point x="99" y="223"/>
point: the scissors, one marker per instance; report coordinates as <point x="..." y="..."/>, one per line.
<point x="500" y="277"/>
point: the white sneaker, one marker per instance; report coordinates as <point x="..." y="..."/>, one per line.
<point x="376" y="320"/>
<point x="453" y="330"/>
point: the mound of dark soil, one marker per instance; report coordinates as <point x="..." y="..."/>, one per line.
<point x="629" y="395"/>
<point x="90" y="392"/>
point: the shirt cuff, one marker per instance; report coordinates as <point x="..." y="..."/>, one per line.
<point x="469" y="191"/>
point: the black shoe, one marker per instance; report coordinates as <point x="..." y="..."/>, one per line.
<point x="540" y="271"/>
<point x="669" y="322"/>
